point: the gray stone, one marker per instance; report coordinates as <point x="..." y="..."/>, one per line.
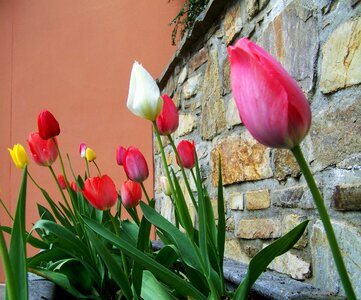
<point x="187" y="123"/>
<point x="346" y="197"/>
<point x="285" y="164"/>
<point x="236" y="201"/>
<point x="232" y="115"/>
<point x="288" y="197"/>
<point x="183" y="75"/>
<point x="190" y="87"/>
<point x="292" y="38"/>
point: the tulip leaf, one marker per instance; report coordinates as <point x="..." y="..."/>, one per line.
<point x="17" y="251"/>
<point x="54" y="254"/>
<point x="115" y="270"/>
<point x="44" y="213"/>
<point x="263" y="258"/>
<point x="151" y="287"/>
<point x="33" y="241"/>
<point x="167" y="256"/>
<point x="167" y="276"/>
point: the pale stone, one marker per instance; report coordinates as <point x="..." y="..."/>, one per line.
<point x="197" y="60"/>
<point x="232" y="115"/>
<point x="242" y="159"/>
<point x="232" y="23"/>
<point x="187" y="123"/>
<point x="342" y="57"/>
<point x="285" y="164"/>
<point x="288" y="223"/>
<point x="236" y="201"/>
<point x="291" y="265"/>
<point x="257" y="200"/>
<point x="323" y="266"/>
<point x="252" y="8"/>
<point x="233" y="250"/>
<point x="292" y="37"/>
<point x="259" y="229"/>
<point x="183" y="75"/>
<point x="230" y="224"/>
<point x="190" y="87"/>
<point x="167" y="209"/>
<point x="213" y="115"/>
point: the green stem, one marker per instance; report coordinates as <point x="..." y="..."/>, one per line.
<point x="183" y="173"/>
<point x="7" y="211"/>
<point x="87" y="167"/>
<point x="33" y="180"/>
<point x="337" y="256"/>
<point x="145" y="192"/>
<point x="99" y="173"/>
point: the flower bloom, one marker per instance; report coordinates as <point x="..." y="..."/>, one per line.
<point x="120" y="155"/>
<point x="168" y="120"/>
<point x="74" y="187"/>
<point x="186" y="151"/>
<point x="19" y="156"/>
<point x="269" y="101"/>
<point x="143" y="98"/>
<point x="135" y="165"/>
<point x="131" y="193"/>
<point x="44" y="152"/>
<point x="61" y="181"/>
<point x="100" y="192"/>
<point x="90" y="154"/>
<point x="82" y="150"/>
<point x="48" y="125"/>
<point x="165" y="185"/>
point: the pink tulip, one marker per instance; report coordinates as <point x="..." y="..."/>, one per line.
<point x="82" y="150"/>
<point x="168" y="120"/>
<point x="44" y="152"/>
<point x="48" y="125"/>
<point x="61" y="181"/>
<point x="269" y="101"/>
<point x="100" y="192"/>
<point x="120" y="155"/>
<point x="186" y="151"/>
<point x="135" y="165"/>
<point x="131" y="193"/>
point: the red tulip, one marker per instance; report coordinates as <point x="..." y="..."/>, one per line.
<point x="186" y="151"/>
<point x="74" y="187"/>
<point x="269" y="101"/>
<point x="100" y="192"/>
<point x="61" y="181"/>
<point x="135" y="165"/>
<point x="48" y="125"/>
<point x="131" y="192"/>
<point x="44" y="152"/>
<point x="120" y="155"/>
<point x="168" y="120"/>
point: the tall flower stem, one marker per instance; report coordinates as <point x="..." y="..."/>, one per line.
<point x="87" y="167"/>
<point x="96" y="165"/>
<point x="145" y="191"/>
<point x="6" y="210"/>
<point x="183" y="172"/>
<point x="337" y="256"/>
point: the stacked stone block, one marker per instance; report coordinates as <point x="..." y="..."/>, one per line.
<point x="319" y="44"/>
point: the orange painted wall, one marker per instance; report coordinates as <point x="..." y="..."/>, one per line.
<point x="74" y="58"/>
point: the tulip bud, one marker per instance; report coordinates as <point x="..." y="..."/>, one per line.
<point x="48" y="125"/>
<point x="44" y="152"/>
<point x="131" y="193"/>
<point x="120" y="155"/>
<point x="100" y="192"/>
<point x="143" y="97"/>
<point x="61" y="181"/>
<point x="90" y="154"/>
<point x="82" y="150"/>
<point x="186" y="151"/>
<point x="74" y="187"/>
<point x="168" y="120"/>
<point x="165" y="186"/>
<point x="135" y="165"/>
<point x="269" y="101"/>
<point x="19" y="156"/>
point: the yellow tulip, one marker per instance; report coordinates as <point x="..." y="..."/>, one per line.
<point x="19" y="156"/>
<point x="90" y="154"/>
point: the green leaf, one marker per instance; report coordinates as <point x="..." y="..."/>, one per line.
<point x="46" y="256"/>
<point x="11" y="283"/>
<point x="168" y="277"/>
<point x="151" y="287"/>
<point x="265" y="256"/>
<point x="115" y="270"/>
<point x="33" y="241"/>
<point x="129" y="231"/>
<point x="44" y="213"/>
<point x="17" y="252"/>
<point x="167" y="256"/>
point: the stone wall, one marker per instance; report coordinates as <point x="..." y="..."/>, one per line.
<point x="318" y="42"/>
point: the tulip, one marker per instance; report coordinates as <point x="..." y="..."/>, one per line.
<point x="90" y="154"/>
<point x="186" y="151"/>
<point x="131" y="193"/>
<point x="269" y="101"/>
<point x="44" y="152"/>
<point x="48" y="125"/>
<point x="100" y="192"/>
<point x="82" y="150"/>
<point x="168" y="120"/>
<point x="165" y="185"/>
<point x="143" y="97"/>
<point x="61" y="181"/>
<point x="135" y="165"/>
<point x="19" y="156"/>
<point x="120" y="155"/>
<point x="74" y="187"/>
